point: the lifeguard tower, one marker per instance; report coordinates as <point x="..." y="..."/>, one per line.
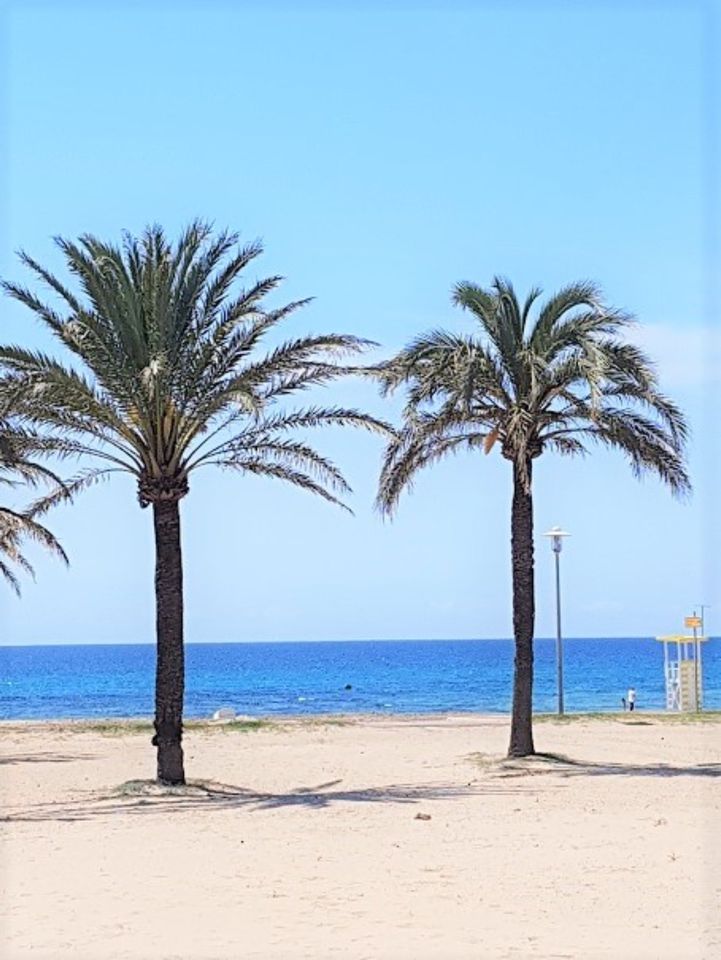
<point x="683" y="669"/>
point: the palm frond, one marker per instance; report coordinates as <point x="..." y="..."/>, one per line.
<point x="8" y="573"/>
<point x="273" y="428"/>
<point x="283" y="453"/>
<point x="68" y="490"/>
<point x="14" y="525"/>
<point x="582" y="294"/>
<point x="262" y="467"/>
<point x="646" y="444"/>
<point x="410" y="454"/>
<point x="18" y="449"/>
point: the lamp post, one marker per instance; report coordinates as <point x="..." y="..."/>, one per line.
<point x="556" y="535"/>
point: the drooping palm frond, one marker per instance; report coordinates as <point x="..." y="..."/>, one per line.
<point x="168" y="372"/>
<point x="18" y="468"/>
<point x="416" y="448"/>
<point x="561" y="380"/>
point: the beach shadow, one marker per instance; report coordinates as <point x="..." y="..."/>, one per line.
<point x="144" y="797"/>
<point x="498" y="776"/>
<point x="557" y="763"/>
<point x="45" y="758"/>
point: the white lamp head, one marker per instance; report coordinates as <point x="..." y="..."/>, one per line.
<point x="556" y="534"/>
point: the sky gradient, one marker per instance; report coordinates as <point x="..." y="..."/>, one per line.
<point x="383" y="153"/>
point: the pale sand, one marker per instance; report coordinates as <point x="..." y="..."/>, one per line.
<point x="316" y="851"/>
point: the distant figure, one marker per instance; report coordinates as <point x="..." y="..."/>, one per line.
<point x="623" y="702"/>
<point x="348" y="687"/>
<point x="631" y="698"/>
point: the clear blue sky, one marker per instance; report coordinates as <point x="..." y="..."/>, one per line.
<point x="384" y="152"/>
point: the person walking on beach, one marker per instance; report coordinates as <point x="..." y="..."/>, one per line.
<point x="631" y="698"/>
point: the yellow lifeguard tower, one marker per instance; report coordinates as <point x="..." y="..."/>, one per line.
<point x="683" y="669"/>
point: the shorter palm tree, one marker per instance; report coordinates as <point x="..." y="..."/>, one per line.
<point x="525" y="386"/>
<point x="18" y="466"/>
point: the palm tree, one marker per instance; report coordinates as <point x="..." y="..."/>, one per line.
<point x="165" y="380"/>
<point x="18" y="447"/>
<point x="557" y="382"/>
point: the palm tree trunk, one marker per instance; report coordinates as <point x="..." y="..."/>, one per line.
<point x="523" y="613"/>
<point x="170" y="666"/>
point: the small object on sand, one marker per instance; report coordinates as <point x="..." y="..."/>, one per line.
<point x="348" y="687"/>
<point x="422" y="816"/>
<point x="225" y="713"/>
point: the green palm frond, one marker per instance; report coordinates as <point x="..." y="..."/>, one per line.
<point x="278" y="471"/>
<point x="22" y="526"/>
<point x="19" y="448"/>
<point x="498" y="313"/>
<point x="66" y="491"/>
<point x="273" y="428"/>
<point x="575" y="296"/>
<point x="169" y="370"/>
<point x="412" y="452"/>
<point x="8" y="574"/>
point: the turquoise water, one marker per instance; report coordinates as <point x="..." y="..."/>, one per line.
<point x="411" y="676"/>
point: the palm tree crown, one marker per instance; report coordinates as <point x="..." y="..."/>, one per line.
<point x="167" y="379"/>
<point x="554" y="382"/>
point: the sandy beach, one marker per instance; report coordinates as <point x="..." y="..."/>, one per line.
<point x="381" y="837"/>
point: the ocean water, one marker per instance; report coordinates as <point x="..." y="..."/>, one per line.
<point x="411" y="676"/>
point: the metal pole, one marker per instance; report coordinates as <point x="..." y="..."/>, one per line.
<point x="696" y="654"/>
<point x="559" y="639"/>
<point x="704" y="606"/>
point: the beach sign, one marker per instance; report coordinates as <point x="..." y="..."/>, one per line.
<point x="692" y="623"/>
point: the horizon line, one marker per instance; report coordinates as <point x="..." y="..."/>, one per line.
<point x="206" y="643"/>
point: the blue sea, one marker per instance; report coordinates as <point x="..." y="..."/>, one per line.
<point x="411" y="676"/>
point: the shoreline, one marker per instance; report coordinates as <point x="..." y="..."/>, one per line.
<point x="137" y="724"/>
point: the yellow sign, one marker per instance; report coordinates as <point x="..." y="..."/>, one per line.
<point x="692" y="623"/>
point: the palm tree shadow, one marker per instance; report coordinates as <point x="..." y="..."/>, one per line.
<point x="145" y="797"/>
<point x="559" y="763"/>
<point x="44" y="758"/>
<point x="500" y="777"/>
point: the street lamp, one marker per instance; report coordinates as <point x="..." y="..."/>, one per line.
<point x="556" y="535"/>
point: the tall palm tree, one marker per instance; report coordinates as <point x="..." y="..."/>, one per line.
<point x="19" y="466"/>
<point x="164" y="380"/>
<point x="555" y="381"/>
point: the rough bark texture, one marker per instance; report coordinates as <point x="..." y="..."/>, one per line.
<point x="523" y="614"/>
<point x="170" y="666"/>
